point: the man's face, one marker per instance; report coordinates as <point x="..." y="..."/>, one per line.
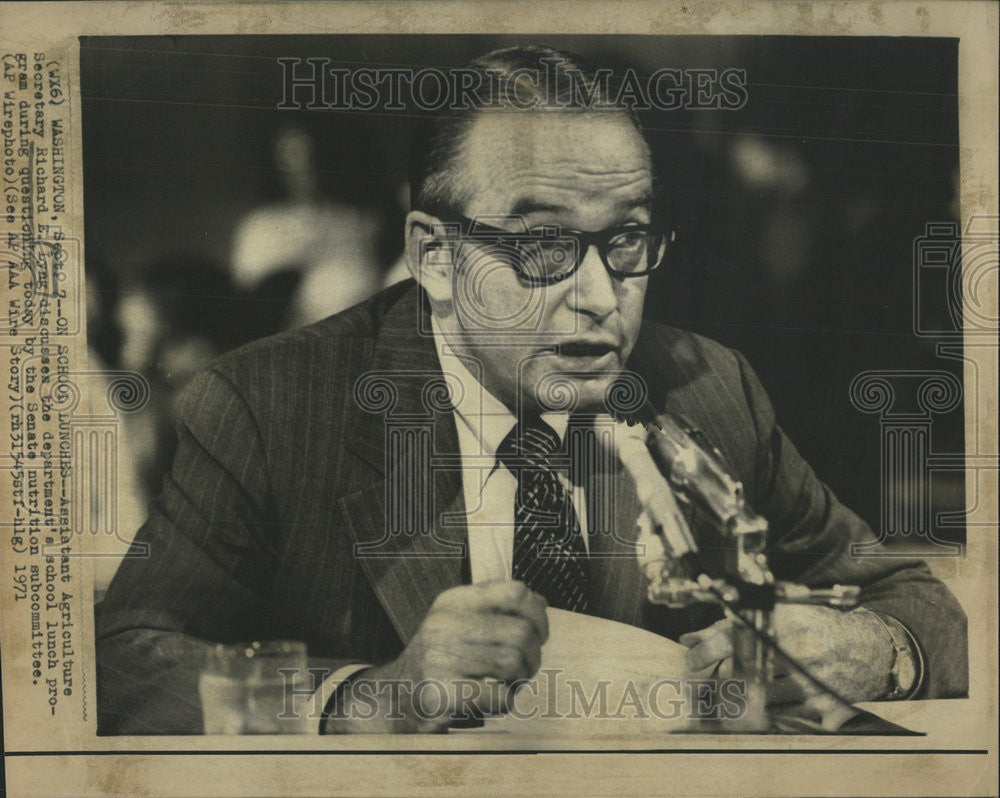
<point x="586" y="172"/>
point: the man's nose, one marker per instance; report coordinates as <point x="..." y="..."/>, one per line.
<point x="594" y="289"/>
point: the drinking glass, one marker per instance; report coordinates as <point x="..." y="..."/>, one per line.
<point x="246" y="688"/>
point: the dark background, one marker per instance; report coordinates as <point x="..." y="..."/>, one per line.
<point x="797" y="214"/>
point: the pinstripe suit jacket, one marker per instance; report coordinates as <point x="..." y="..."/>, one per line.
<point x="281" y="479"/>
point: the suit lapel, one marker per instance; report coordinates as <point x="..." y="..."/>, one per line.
<point x="409" y="524"/>
<point x="407" y="570"/>
<point x="616" y="584"/>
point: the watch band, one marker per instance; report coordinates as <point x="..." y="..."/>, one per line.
<point x="907" y="672"/>
<point x="339" y="681"/>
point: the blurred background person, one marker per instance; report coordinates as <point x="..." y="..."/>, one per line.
<point x="321" y="252"/>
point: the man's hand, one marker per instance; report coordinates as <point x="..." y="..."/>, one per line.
<point x="851" y="652"/>
<point x="475" y="642"/>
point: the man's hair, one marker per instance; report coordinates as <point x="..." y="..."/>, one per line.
<point x="513" y="78"/>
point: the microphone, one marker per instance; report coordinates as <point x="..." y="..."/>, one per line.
<point x="662" y="519"/>
<point x="697" y="471"/>
<point x="665" y="462"/>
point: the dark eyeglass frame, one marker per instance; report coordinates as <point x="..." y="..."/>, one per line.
<point x="487" y="234"/>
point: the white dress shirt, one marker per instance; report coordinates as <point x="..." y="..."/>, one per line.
<point x="489" y="487"/>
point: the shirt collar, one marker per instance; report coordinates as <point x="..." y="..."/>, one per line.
<point x="486" y="417"/>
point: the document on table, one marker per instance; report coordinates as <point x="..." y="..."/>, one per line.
<point x="601" y="677"/>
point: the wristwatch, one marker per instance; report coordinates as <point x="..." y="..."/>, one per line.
<point x="906" y="673"/>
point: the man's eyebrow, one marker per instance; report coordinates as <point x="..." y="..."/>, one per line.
<point x="527" y="205"/>
<point x="641" y="201"/>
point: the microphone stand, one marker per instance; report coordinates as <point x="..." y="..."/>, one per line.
<point x="747" y="588"/>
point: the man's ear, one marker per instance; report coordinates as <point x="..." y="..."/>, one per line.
<point x="429" y="257"/>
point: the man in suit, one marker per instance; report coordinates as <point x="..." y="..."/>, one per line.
<point x="383" y="484"/>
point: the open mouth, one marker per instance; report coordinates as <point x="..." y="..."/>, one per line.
<point x="584" y="349"/>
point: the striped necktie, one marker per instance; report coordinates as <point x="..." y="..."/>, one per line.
<point x="549" y="555"/>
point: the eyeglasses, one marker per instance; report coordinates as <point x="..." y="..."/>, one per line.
<point x="551" y="253"/>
